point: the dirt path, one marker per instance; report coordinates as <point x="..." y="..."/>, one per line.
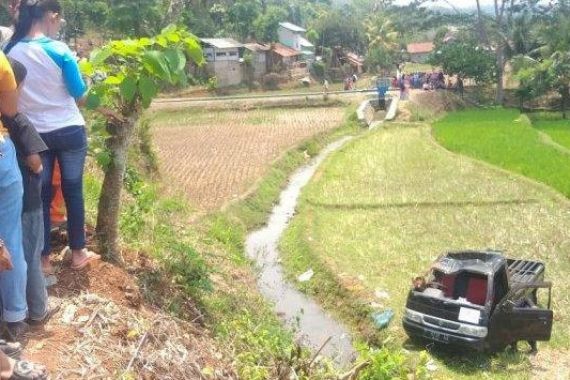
<point x="216" y="156"/>
<point x="238" y="102"/>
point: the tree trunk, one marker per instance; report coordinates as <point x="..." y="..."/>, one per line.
<point x="107" y="230"/>
<point x="480" y="25"/>
<point x="500" y="94"/>
<point x="175" y="8"/>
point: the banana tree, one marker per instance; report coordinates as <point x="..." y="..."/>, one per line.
<point x="127" y="75"/>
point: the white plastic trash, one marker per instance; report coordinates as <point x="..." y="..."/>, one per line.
<point x="306" y="276"/>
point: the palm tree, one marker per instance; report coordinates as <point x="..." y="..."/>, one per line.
<point x="548" y="66"/>
<point x="381" y="33"/>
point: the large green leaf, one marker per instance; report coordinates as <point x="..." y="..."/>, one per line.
<point x="162" y="41"/>
<point x="155" y="63"/>
<point x="145" y="42"/>
<point x="99" y="56"/>
<point x="113" y="80"/>
<point x="86" y="68"/>
<point x="170" y="28"/>
<point x="173" y="37"/>
<point x="103" y="158"/>
<point x="176" y="59"/>
<point x="128" y="88"/>
<point x="194" y="50"/>
<point x="148" y="90"/>
<point x="93" y="100"/>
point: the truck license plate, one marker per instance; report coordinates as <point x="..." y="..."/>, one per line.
<point x="438" y="337"/>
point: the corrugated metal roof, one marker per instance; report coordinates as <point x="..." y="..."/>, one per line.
<point x="420" y="47"/>
<point x="257" y="47"/>
<point x="285" y="51"/>
<point x="306" y="43"/>
<point x="222" y="43"/>
<point x="292" y="27"/>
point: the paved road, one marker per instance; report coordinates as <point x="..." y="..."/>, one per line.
<point x="273" y="99"/>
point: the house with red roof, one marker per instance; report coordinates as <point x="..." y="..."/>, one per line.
<point x="420" y="51"/>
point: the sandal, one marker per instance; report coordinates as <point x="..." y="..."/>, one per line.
<point x="24" y="370"/>
<point x="11" y="349"/>
<point x="87" y="259"/>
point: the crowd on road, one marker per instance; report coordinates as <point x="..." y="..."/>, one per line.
<point x="426" y="81"/>
<point x="41" y="91"/>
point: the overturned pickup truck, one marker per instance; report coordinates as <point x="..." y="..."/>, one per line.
<point x="480" y="300"/>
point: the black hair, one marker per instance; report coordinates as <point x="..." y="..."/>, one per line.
<point x="28" y="12"/>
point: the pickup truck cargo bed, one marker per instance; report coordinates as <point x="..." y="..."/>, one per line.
<point x="524" y="271"/>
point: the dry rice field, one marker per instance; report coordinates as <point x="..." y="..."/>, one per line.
<point x="215" y="156"/>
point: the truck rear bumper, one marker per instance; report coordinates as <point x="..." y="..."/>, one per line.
<point x="415" y="330"/>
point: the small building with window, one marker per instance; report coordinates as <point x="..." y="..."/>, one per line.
<point x="260" y="58"/>
<point x="223" y="60"/>
<point x="293" y="36"/>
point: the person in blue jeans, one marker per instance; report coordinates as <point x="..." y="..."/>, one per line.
<point x="49" y="98"/>
<point x="28" y="145"/>
<point x="12" y="282"/>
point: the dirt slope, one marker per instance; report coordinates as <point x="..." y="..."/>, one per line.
<point x="105" y="330"/>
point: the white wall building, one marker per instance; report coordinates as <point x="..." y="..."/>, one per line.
<point x="293" y="36"/>
<point x="223" y="60"/>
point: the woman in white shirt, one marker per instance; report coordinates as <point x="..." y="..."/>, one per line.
<point x="49" y="98"/>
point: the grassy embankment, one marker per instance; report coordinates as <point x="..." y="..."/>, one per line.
<point x="554" y="126"/>
<point x="379" y="211"/>
<point x="506" y="139"/>
<point x="204" y="266"/>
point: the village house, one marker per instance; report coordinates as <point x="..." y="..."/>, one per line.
<point x="260" y="59"/>
<point x="283" y="56"/>
<point x="419" y="52"/>
<point x="293" y="36"/>
<point x="223" y="60"/>
<point x="356" y="62"/>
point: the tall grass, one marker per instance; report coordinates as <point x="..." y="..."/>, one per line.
<point x="505" y="138"/>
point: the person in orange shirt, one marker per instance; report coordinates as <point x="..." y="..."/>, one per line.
<point x="57" y="209"/>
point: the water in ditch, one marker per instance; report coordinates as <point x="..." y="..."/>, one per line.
<point x="302" y="314"/>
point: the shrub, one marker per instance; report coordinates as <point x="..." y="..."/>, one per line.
<point x="387" y="364"/>
<point x="212" y="84"/>
<point x="318" y="69"/>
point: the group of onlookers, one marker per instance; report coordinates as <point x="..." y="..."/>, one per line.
<point x="427" y="82"/>
<point x="41" y="90"/>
